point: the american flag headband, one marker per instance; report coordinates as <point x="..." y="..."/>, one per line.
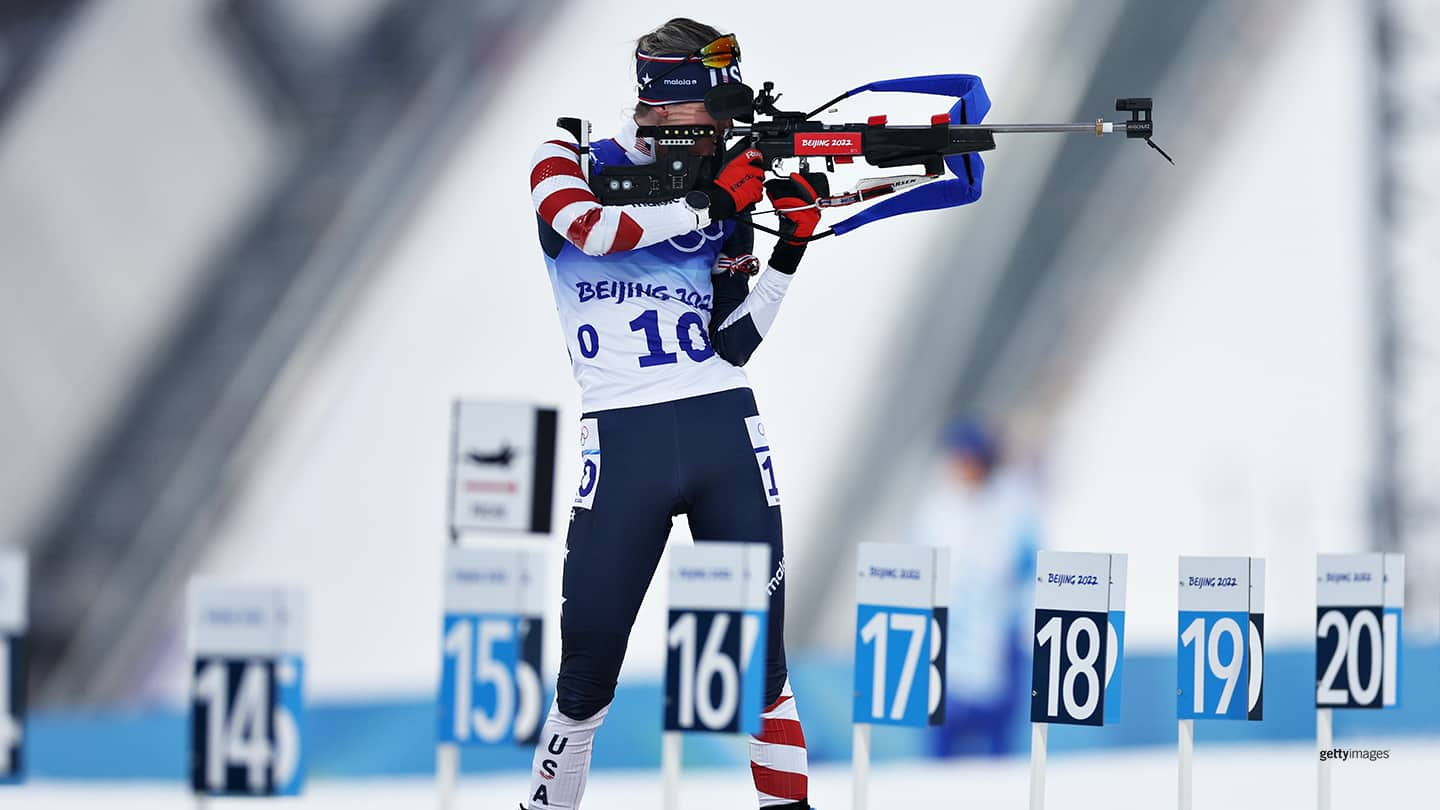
<point x="675" y="79"/>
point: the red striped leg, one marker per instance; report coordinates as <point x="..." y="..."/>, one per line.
<point x="777" y="756"/>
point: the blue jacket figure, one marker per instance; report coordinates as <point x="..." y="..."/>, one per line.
<point x="986" y="515"/>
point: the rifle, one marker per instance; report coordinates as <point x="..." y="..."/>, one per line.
<point x="950" y="141"/>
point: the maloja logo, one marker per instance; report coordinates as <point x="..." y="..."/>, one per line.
<point x="777" y="579"/>
<point x="828" y="143"/>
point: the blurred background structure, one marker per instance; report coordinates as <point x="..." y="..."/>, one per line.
<point x="250" y="250"/>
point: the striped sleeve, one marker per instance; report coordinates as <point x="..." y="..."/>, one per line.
<point x="742" y="317"/>
<point x="565" y="203"/>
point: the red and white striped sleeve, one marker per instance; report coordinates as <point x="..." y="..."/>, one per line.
<point x="561" y="198"/>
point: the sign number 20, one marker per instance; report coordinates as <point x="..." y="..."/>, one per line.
<point x="1363" y="675"/>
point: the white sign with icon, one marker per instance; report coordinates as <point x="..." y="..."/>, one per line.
<point x="502" y="467"/>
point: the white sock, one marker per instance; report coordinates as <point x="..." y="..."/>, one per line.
<point x="778" y="761"/>
<point x="562" y="760"/>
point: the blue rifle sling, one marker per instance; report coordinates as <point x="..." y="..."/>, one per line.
<point x="971" y="106"/>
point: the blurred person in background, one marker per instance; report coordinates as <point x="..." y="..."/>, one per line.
<point x="985" y="513"/>
<point x="658" y="317"/>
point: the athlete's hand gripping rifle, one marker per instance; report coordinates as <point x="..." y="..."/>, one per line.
<point x="950" y="141"/>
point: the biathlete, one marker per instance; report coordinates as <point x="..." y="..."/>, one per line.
<point x="658" y="316"/>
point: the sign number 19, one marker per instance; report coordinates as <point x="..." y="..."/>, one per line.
<point x="1209" y="652"/>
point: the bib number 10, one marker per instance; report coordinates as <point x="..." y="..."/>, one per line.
<point x="689" y="332"/>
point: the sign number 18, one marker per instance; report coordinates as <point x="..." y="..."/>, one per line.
<point x="1081" y="666"/>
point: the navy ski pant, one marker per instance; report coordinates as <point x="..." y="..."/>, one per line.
<point x="690" y="456"/>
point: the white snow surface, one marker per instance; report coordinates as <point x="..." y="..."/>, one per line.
<point x="1232" y="777"/>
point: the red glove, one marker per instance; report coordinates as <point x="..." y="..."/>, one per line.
<point x="740" y="183"/>
<point x="796" y="192"/>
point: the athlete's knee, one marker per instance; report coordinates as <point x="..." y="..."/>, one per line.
<point x="580" y="705"/>
<point x="581" y="698"/>
<point x="580" y="695"/>
<point x="589" y="669"/>
<point x="591" y="720"/>
<point x="776" y="679"/>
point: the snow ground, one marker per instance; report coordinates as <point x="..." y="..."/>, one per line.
<point x="1229" y="777"/>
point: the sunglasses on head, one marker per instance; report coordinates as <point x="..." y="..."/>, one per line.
<point x="721" y="52"/>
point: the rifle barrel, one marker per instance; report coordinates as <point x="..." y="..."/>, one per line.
<point x="1104" y="127"/>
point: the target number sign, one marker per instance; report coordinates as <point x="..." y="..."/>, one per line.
<point x="1078" y="638"/>
<point x="1220" y="670"/>
<point x="716" y="637"/>
<point x="1360" y="600"/>
<point x="900" y="626"/>
<point x="246" y="690"/>
<point x="490" y="646"/>
<point x="12" y="666"/>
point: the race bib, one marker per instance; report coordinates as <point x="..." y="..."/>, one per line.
<point x="589" y="463"/>
<point x="762" y="458"/>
